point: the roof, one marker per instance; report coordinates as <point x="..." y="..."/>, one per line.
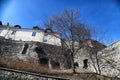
<point x="26" y="29"/>
<point x="95" y="43"/>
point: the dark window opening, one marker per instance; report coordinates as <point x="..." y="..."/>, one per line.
<point x="55" y="65"/>
<point x="45" y="34"/>
<point x="85" y="62"/>
<point x="34" y="34"/>
<point x="76" y="65"/>
<point x="113" y="49"/>
<point x="44" y="40"/>
<point x="1" y="30"/>
<point x="25" y="48"/>
<point x="0" y="23"/>
<point x="13" y="32"/>
<point x="39" y="50"/>
<point x="44" y="61"/>
<point x="10" y="38"/>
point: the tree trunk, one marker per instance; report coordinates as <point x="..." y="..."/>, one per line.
<point x="73" y="66"/>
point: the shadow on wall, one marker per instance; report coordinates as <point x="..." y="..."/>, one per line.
<point x="42" y="56"/>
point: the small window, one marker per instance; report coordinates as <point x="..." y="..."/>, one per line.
<point x="85" y="62"/>
<point x="45" y="34"/>
<point x="44" y="40"/>
<point x="44" y="61"/>
<point x="34" y="34"/>
<point x="13" y="32"/>
<point x="55" y="64"/>
<point x="76" y="65"/>
<point x="25" y="48"/>
<point x="0" y="30"/>
<point x="0" y="23"/>
<point x="76" y="46"/>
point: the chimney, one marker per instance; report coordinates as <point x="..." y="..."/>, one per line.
<point x="7" y="24"/>
<point x="89" y="43"/>
<point x="0" y="23"/>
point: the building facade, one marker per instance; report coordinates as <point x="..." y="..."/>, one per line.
<point x="38" y="35"/>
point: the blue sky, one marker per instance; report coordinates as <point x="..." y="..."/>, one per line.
<point x="102" y="14"/>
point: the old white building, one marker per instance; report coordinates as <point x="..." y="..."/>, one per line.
<point x="25" y="34"/>
<point x="86" y="59"/>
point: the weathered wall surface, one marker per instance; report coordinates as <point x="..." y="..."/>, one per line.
<point x="9" y="75"/>
<point x="110" y="60"/>
<point x="81" y="56"/>
<point x="35" y="52"/>
<point x="20" y="34"/>
<point x="6" y="75"/>
<point x="86" y="58"/>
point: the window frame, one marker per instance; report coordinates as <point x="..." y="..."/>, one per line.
<point x="34" y="34"/>
<point x="13" y="32"/>
<point x="44" y="40"/>
<point x="1" y="30"/>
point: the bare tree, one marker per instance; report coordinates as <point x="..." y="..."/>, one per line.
<point x="93" y="54"/>
<point x="71" y="30"/>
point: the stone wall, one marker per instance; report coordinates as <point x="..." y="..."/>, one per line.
<point x="9" y="74"/>
<point x="86" y="60"/>
<point x="21" y="75"/>
<point x="110" y="60"/>
<point x="35" y="52"/>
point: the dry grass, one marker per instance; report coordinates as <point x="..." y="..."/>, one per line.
<point x="24" y="65"/>
<point x="38" y="68"/>
<point x="31" y="66"/>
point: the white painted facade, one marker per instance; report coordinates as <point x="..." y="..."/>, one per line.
<point x="30" y="35"/>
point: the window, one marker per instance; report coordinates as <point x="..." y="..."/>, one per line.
<point x="25" y="48"/>
<point x="85" y="62"/>
<point x="44" y="61"/>
<point x="13" y="32"/>
<point x="34" y="34"/>
<point x="45" y="34"/>
<point x="45" y="40"/>
<point x="76" y="65"/>
<point x="0" y="30"/>
<point x="55" y="64"/>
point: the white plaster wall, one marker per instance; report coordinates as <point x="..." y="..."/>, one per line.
<point x="27" y="36"/>
<point x="4" y="32"/>
<point x="51" y="39"/>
